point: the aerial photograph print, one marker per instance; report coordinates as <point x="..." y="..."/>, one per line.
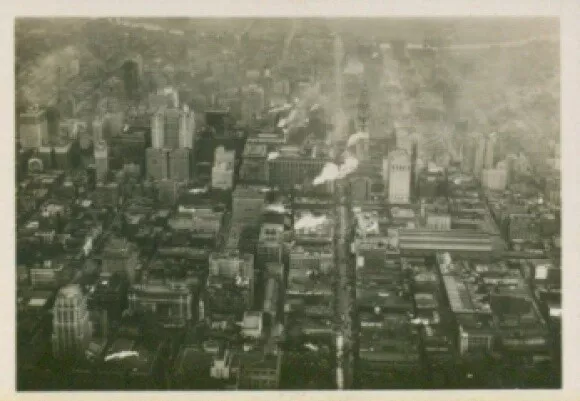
<point x="269" y="203"/>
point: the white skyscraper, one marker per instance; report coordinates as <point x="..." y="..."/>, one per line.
<point x="71" y="325"/>
<point x="158" y="130"/>
<point x="399" y="176"/>
<point x="490" y="144"/>
<point x="97" y="130"/>
<point x="186" y="128"/>
<point x="101" y="160"/>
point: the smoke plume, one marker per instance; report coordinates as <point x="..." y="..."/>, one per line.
<point x="309" y="221"/>
<point x="354" y="138"/>
<point x="121" y="355"/>
<point x="331" y="171"/>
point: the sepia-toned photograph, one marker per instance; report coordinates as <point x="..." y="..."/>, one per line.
<point x="287" y="203"/>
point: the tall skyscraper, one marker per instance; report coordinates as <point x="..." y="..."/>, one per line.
<point x="222" y="174"/>
<point x="157" y="163"/>
<point x="158" y="129"/>
<point x="171" y="128"/>
<point x="186" y="128"/>
<point x="339" y="123"/>
<point x="131" y="79"/>
<point x="252" y="103"/>
<point x="399" y="176"/>
<point x="113" y="124"/>
<point x="180" y="164"/>
<point x="479" y="159"/>
<point x="53" y="122"/>
<point x="71" y="325"/>
<point x="101" y="160"/>
<point x="473" y="154"/>
<point x="97" y="130"/>
<point x="33" y="129"/>
<point x="490" y="144"/>
<point x="414" y="169"/>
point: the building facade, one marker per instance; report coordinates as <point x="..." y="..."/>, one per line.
<point x="120" y="256"/>
<point x="33" y="129"/>
<point x="158" y="130"/>
<point x="101" y="152"/>
<point x="157" y="163"/>
<point x="171" y="305"/>
<point x="71" y="325"/>
<point x="399" y="185"/>
<point x="247" y="204"/>
<point x="180" y="164"/>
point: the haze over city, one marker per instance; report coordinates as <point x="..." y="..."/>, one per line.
<point x="291" y="204"/>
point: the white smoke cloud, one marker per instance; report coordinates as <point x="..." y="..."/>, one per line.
<point x="331" y="171"/>
<point x="308" y="220"/>
<point x="276" y="208"/>
<point x="121" y="355"/>
<point x="354" y="138"/>
<point x="273" y="155"/>
<point x="277" y="109"/>
<point x="349" y="166"/>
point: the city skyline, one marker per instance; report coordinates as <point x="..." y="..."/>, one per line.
<point x="307" y="203"/>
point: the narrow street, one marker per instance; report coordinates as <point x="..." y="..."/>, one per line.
<point x="344" y="298"/>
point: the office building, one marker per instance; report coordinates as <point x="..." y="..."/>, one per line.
<point x="270" y="243"/>
<point x="292" y="167"/>
<point x="49" y="275"/>
<point x="128" y="148"/>
<point x="254" y="168"/>
<point x="71" y="325"/>
<point x="259" y="372"/>
<point x="252" y="103"/>
<point x="230" y="285"/>
<point x="253" y="325"/>
<point x="272" y="297"/>
<point x="523" y="227"/>
<point x="171" y="304"/>
<point x="45" y="155"/>
<point x="168" y="190"/>
<point x="62" y="156"/>
<point x="101" y="152"/>
<point x="438" y="221"/>
<point x="157" y="163"/>
<point x="33" y="129"/>
<point x="120" y="256"/>
<point x="180" y="164"/>
<point x="399" y="170"/>
<point x="97" y="127"/>
<point x="222" y="174"/>
<point x="314" y="259"/>
<point x="494" y="179"/>
<point x="232" y="264"/>
<point x="247" y="204"/>
<point x="158" y="129"/>
<point x="490" y="146"/>
<point x="113" y="124"/>
<point x="106" y="194"/>
<point x="68" y="129"/>
<point x="171" y="128"/>
<point x="186" y="128"/>
<point x="473" y="154"/>
<point x="360" y="187"/>
<point x="131" y="79"/>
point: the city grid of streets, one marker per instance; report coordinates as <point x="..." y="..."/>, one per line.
<point x="170" y="228"/>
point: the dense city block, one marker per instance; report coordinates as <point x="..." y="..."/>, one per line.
<point x="307" y="204"/>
